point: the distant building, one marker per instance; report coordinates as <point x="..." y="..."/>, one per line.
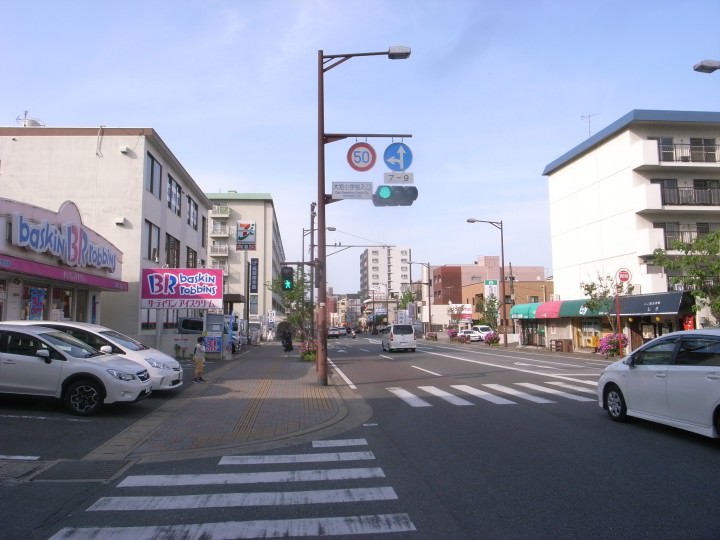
<point x="244" y="241"/>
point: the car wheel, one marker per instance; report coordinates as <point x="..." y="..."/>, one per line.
<point x="615" y="403"/>
<point x="84" y="397"/>
<point x="717" y="422"/>
<point x="412" y="350"/>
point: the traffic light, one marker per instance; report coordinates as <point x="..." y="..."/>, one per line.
<point x="287" y="276"/>
<point x="386" y="195"/>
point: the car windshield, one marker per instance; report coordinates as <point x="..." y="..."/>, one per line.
<point x="123" y="340"/>
<point x="402" y="329"/>
<point x="70" y="345"/>
<point x="484" y="329"/>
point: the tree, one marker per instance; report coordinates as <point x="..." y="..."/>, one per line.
<point x="455" y="313"/>
<point x="298" y="311"/>
<point x="602" y="295"/>
<point x="696" y="270"/>
<point x="407" y="297"/>
<point x="491" y="308"/>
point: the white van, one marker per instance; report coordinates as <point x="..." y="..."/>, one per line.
<point x="398" y="336"/>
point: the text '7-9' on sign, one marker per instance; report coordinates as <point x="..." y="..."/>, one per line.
<point x="352" y="190"/>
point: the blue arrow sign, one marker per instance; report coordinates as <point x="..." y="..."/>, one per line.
<point x="398" y="156"/>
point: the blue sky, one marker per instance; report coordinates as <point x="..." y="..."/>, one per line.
<point x="493" y="91"/>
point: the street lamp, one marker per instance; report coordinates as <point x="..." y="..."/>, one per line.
<point x="429" y="295"/>
<point x="325" y="63"/>
<point x="707" y="66"/>
<point x="498" y="225"/>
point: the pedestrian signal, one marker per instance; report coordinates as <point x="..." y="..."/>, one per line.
<point x="287" y="277"/>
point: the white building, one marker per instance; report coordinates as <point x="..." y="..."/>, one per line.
<point x="648" y="178"/>
<point x="131" y="191"/>
<point x="384" y="268"/>
<point x="244" y="241"/>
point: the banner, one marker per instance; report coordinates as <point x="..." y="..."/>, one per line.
<point x="173" y="288"/>
<point x="245" y="239"/>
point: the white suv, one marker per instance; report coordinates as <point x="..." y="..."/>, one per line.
<point x="165" y="372"/>
<point x="39" y="361"/>
<point x="398" y="336"/>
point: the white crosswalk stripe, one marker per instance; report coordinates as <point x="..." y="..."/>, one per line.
<point x="112" y="508"/>
<point x="497" y="393"/>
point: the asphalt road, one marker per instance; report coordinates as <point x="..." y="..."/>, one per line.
<point x="464" y="442"/>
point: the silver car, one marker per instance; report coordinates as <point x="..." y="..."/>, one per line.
<point x="673" y="380"/>
<point x="398" y="337"/>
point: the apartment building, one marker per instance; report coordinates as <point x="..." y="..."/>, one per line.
<point x="131" y="191"/>
<point x="244" y="241"/>
<point x="384" y="270"/>
<point x="646" y="179"/>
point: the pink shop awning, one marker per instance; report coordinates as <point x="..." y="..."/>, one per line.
<point x="548" y="310"/>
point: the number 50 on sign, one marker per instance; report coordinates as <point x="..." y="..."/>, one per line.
<point x="361" y="156"/>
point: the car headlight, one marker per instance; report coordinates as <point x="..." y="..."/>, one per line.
<point x="122" y="375"/>
<point x="157" y="364"/>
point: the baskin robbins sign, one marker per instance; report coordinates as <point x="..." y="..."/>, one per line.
<point x="174" y="288"/>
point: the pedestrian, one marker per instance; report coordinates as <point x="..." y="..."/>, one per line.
<point x="595" y="342"/>
<point x="199" y="359"/>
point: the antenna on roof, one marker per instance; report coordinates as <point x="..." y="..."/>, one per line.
<point x="25" y="121"/>
<point x="588" y="117"/>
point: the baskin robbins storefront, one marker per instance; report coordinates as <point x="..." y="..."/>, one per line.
<point x="51" y="266"/>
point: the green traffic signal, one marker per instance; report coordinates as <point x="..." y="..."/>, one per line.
<point x="288" y="278"/>
<point x="386" y="195"/>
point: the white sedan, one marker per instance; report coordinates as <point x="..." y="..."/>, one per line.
<point x="472" y="335"/>
<point x="673" y="380"/>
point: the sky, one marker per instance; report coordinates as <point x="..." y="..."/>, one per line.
<point x="492" y="92"/>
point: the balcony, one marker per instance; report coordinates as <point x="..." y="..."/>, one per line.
<point x="687" y="153"/>
<point x="220" y="231"/>
<point x="220" y="266"/>
<point x="219" y="251"/>
<point x="682" y="196"/>
<point x="220" y="211"/>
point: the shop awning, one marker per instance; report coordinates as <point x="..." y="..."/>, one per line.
<point x="524" y="311"/>
<point x="548" y="310"/>
<point x="670" y="303"/>
<point x="577" y="308"/>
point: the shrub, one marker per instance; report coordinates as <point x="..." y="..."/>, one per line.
<point x="609" y="344"/>
<point x="308" y="351"/>
<point x="492" y="338"/>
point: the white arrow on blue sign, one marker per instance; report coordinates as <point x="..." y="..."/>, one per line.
<point x="398" y="156"/>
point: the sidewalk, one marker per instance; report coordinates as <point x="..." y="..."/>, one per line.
<point x="262" y="398"/>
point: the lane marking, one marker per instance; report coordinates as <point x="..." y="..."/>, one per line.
<point x="296" y="458"/>
<point x="482" y="394"/>
<point x="427" y="371"/>
<point x="328" y="526"/>
<point x="517" y="393"/>
<point x="228" y="500"/>
<point x="408" y="397"/>
<point x="339" y="442"/>
<point x="23" y="458"/>
<point x="573" y="387"/>
<point x="447" y="396"/>
<point x="311" y="475"/>
<point x="342" y="375"/>
<point x="554" y="392"/>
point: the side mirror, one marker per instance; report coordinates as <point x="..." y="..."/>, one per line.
<point x="107" y="349"/>
<point x="44" y="354"/>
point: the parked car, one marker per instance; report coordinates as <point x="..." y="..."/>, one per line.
<point x="472" y="335"/>
<point x="398" y="336"/>
<point x="483" y="330"/>
<point x="39" y="361"/>
<point x="165" y="372"/>
<point x="673" y="380"/>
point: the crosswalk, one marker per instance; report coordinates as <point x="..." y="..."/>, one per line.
<point x="340" y="476"/>
<point x="499" y="394"/>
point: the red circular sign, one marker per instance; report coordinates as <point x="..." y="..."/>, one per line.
<point x="623" y="275"/>
<point x="361" y="156"/>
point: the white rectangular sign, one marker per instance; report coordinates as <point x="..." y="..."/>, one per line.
<point x="352" y="190"/>
<point x="399" y="178"/>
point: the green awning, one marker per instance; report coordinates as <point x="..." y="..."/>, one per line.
<point x="577" y="308"/>
<point x="524" y="311"/>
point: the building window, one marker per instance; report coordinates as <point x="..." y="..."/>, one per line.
<point x="174" y="197"/>
<point x="203" y="236"/>
<point x="192" y="213"/>
<point x="152" y="233"/>
<point x="172" y="251"/>
<point x="190" y="258"/>
<point x="153" y="175"/>
<point x="702" y="149"/>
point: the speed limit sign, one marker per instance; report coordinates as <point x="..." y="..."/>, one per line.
<point x="361" y="156"/>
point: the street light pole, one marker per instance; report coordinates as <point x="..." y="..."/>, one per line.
<point x="325" y="63"/>
<point x="498" y="225"/>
